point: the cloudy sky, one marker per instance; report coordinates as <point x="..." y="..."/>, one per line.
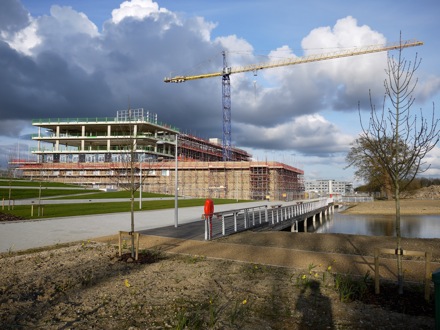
<point x="90" y="58"/>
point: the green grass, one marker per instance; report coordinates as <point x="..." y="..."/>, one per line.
<point x="89" y="208"/>
<point x="115" y="194"/>
<point x="66" y="210"/>
<point x="26" y="183"/>
<point x="20" y="193"/>
<point x="34" y="192"/>
<point x="48" y="189"/>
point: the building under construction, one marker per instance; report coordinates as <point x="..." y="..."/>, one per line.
<point x="104" y="152"/>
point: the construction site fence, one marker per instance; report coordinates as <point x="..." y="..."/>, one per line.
<point x="226" y="223"/>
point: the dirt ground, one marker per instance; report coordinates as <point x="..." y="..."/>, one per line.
<point x="178" y="285"/>
<point x="407" y="207"/>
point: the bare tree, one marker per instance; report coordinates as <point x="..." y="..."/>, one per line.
<point x="127" y="172"/>
<point x="397" y="138"/>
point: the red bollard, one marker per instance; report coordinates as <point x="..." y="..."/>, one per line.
<point x="209" y="211"/>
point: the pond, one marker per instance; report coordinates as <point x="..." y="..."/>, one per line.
<point x="412" y="226"/>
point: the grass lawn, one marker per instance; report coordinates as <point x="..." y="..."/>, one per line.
<point x="5" y="182"/>
<point x="62" y="191"/>
<point x="114" y="194"/>
<point x="45" y="193"/>
<point x="66" y="210"/>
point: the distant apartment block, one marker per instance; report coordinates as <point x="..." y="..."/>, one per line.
<point x="328" y="187"/>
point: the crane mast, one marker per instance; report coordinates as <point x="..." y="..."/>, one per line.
<point x="227" y="71"/>
<point x="226" y="102"/>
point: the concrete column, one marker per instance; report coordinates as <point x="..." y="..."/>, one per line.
<point x="109" y="133"/>
<point x="305" y="225"/>
<point x="134" y="137"/>
<point x="294" y="227"/>
<point x="57" y="141"/>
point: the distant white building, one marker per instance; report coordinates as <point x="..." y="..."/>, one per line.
<point x="329" y="187"/>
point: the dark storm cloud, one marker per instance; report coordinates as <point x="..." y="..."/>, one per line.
<point x="13" y="16"/>
<point x="47" y="86"/>
<point x="70" y="69"/>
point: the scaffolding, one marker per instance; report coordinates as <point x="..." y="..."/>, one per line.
<point x="102" y="152"/>
<point x="260" y="181"/>
<point x="232" y="180"/>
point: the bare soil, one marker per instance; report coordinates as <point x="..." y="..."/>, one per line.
<point x="86" y="285"/>
<point x="407" y="207"/>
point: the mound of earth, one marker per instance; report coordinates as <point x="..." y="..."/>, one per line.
<point x="9" y="217"/>
<point x="431" y="192"/>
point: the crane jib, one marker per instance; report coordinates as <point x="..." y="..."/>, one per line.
<point x="227" y="71"/>
<point x="298" y="60"/>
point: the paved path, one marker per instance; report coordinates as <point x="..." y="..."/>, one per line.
<point x="22" y="235"/>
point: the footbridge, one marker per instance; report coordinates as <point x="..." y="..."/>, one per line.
<point x="295" y="215"/>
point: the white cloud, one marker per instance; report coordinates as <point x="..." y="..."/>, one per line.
<point x="432" y="160"/>
<point x="346" y="33"/>
<point x="68" y="21"/>
<point x="428" y="88"/>
<point x="24" y="40"/>
<point x="137" y="9"/>
<point x="308" y="134"/>
<point x="71" y="69"/>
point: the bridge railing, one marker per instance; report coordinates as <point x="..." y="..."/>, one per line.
<point x="233" y="221"/>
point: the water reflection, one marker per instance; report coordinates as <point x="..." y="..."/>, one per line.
<point x="420" y="226"/>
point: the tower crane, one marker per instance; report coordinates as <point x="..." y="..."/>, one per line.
<point x="227" y="71"/>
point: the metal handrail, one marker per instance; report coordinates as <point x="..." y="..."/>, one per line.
<point x="225" y="223"/>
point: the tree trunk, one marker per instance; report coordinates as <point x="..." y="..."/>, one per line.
<point x="132" y="191"/>
<point x="132" y="223"/>
<point x="399" y="241"/>
<point x="388" y="186"/>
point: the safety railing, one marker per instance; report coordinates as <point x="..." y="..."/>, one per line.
<point x="233" y="221"/>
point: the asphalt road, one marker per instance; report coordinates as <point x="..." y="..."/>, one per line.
<point x="22" y="235"/>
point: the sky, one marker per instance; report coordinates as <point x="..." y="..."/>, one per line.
<point x="90" y="58"/>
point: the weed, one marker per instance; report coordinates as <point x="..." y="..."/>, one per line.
<point x="87" y="278"/>
<point x="194" y="259"/>
<point x="206" y="315"/>
<point x="155" y="254"/>
<point x="64" y="285"/>
<point x="253" y="269"/>
<point x="213" y="311"/>
<point x="189" y="318"/>
<point x="10" y="250"/>
<point x="238" y="312"/>
<point x="85" y="245"/>
<point x="124" y="245"/>
<point x="351" y="288"/>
